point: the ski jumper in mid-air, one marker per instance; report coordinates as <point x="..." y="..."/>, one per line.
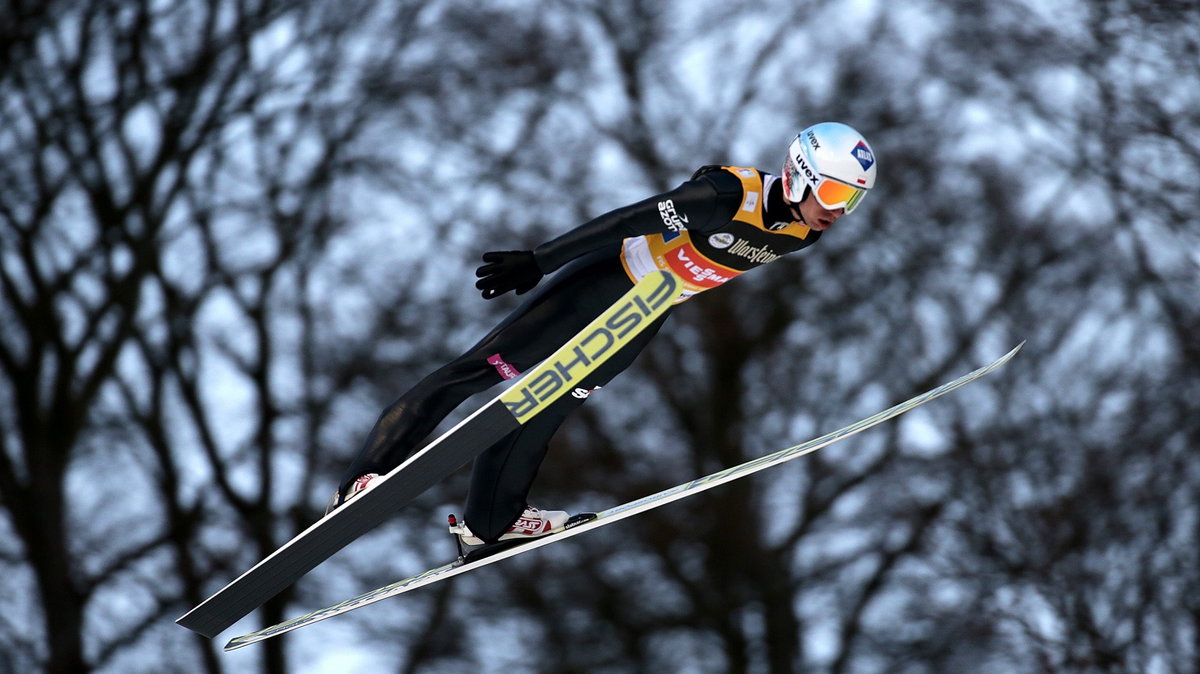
<point x="725" y="221"/>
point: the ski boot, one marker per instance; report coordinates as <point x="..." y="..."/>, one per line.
<point x="357" y="487"/>
<point x="532" y="524"/>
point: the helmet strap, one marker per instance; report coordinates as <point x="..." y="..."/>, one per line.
<point x="799" y="213"/>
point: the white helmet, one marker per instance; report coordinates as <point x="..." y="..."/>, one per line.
<point x="834" y="161"/>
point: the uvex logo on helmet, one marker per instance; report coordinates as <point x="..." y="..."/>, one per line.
<point x="809" y="174"/>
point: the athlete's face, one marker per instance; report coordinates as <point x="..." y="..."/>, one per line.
<point x="815" y="215"/>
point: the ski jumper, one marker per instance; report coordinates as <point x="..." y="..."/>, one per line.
<point x="721" y="223"/>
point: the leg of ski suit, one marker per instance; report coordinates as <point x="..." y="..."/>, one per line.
<point x="567" y="302"/>
<point x="503" y="475"/>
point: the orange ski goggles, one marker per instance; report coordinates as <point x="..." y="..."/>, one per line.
<point x="834" y="195"/>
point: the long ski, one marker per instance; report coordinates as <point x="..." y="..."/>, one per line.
<point x="620" y="512"/>
<point x="532" y="393"/>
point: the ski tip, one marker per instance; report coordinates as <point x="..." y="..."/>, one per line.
<point x="1014" y="351"/>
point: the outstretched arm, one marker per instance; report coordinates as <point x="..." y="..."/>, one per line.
<point x="703" y="203"/>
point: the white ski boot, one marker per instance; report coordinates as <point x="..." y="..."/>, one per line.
<point x="532" y="523"/>
<point x="357" y="487"/>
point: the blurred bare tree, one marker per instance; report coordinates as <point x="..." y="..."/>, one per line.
<point x="233" y="230"/>
<point x="168" y="187"/>
<point x="178" y="328"/>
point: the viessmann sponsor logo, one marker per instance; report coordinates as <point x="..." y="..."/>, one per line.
<point x="612" y="330"/>
<point x="683" y="264"/>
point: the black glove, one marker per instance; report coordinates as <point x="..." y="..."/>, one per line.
<point x="508" y="270"/>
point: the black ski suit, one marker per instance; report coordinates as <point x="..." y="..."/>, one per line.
<point x="706" y="231"/>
